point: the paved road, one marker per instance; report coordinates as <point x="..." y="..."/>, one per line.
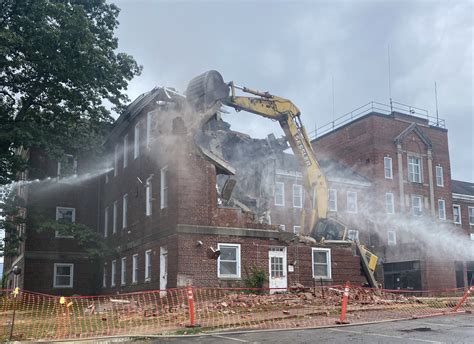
<point x="445" y="329"/>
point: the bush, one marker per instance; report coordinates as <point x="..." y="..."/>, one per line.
<point x="255" y="277"/>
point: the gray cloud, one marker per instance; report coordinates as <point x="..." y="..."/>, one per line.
<point x="296" y="49"/>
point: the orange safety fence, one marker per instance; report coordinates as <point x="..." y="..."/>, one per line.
<point x="27" y="315"/>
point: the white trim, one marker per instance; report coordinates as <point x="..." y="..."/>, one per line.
<point x="71" y="275"/>
<point x="116" y="160"/>
<point x="420" y="168"/>
<point x="104" y="276"/>
<point x="439" y="168"/>
<point x="136" y="141"/>
<point x="73" y="220"/>
<point x="148" y="262"/>
<point x="469" y="210"/>
<point x="123" y="271"/>
<point x="460" y="216"/>
<point x="391" y="238"/>
<point x="463" y="197"/>
<point x="391" y="209"/>
<point x="443" y="215"/>
<point x="135" y="268"/>
<point x="412" y="205"/>
<point x="282" y="194"/>
<point x="328" y="262"/>
<point x="390" y="167"/>
<point x="148" y="128"/>
<point x="148" y="196"/>
<point x="296" y="229"/>
<point x="106" y="221"/>
<point x="113" y="272"/>
<point x="355" y="200"/>
<point x="334" y="193"/>
<point x="298" y="191"/>
<point x="125" y="211"/>
<point x="164" y="180"/>
<point x="114" y="217"/>
<point x="125" y="151"/>
<point x="237" y="260"/>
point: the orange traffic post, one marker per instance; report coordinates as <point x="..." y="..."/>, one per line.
<point x="192" y="320"/>
<point x="464" y="298"/>
<point x="345" y="297"/>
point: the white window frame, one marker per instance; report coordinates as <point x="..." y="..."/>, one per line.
<point x="391" y="238"/>
<point x="332" y="204"/>
<point x="328" y="262"/>
<point x="125" y="151"/>
<point x="57" y="235"/>
<point x="116" y="149"/>
<point x="164" y="180"/>
<point x="282" y="227"/>
<point x="71" y="275"/>
<point x="148" y="261"/>
<point x="123" y="271"/>
<point x="125" y="211"/>
<point x="442" y="209"/>
<point x="413" y="197"/>
<point x="389" y="203"/>
<point x="297" y="194"/>
<point x="148" y="196"/>
<point x="297" y="229"/>
<point x="355" y="202"/>
<point x="136" y="141"/>
<point x="148" y="128"/>
<point x="237" y="257"/>
<point x="353" y="234"/>
<point x="279" y="185"/>
<point x="104" y="277"/>
<point x="113" y="272"/>
<point x="439" y="176"/>
<point x="412" y="174"/>
<point x="135" y="268"/>
<point x="114" y="217"/>
<point x="457" y="206"/>
<point x="106" y="221"/>
<point x="388" y="167"/>
<point x="470" y="213"/>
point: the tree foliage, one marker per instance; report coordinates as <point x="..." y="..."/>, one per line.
<point x="58" y="67"/>
<point x="11" y="220"/>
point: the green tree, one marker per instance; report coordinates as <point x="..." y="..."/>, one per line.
<point x="58" y="69"/>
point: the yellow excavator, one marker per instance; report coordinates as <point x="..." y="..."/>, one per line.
<point x="205" y="90"/>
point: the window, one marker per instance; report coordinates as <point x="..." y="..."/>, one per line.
<point x="414" y="169"/>
<point x="332" y="200"/>
<point x="471" y="215"/>
<point x="439" y="176"/>
<point x="149" y="119"/>
<point x="116" y="160"/>
<point x="164" y="188"/>
<point x="125" y="211"/>
<point x="106" y="221"/>
<point x="353" y="234"/>
<point x="296" y="229"/>
<point x="351" y="202"/>
<point x="321" y="263"/>
<point x="279" y="193"/>
<point x="442" y="209"/>
<point x="389" y="204"/>
<point x="125" y="151"/>
<point x="392" y="238"/>
<point x="63" y="275"/>
<point x="104" y="277"/>
<point x="136" y="141"/>
<point x="297" y="196"/>
<point x="148" y="200"/>
<point x="65" y="215"/>
<point x="147" y="265"/>
<point x="416" y="205"/>
<point x="112" y="273"/>
<point x="282" y="227"/>
<point x="135" y="268"/>
<point x="387" y="164"/>
<point x="457" y="214"/>
<point x="123" y="270"/>
<point x="106" y="178"/>
<point x="114" y="218"/>
<point x="228" y="263"/>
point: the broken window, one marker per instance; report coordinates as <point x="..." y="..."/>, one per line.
<point x="439" y="176"/>
<point x="389" y="204"/>
<point x="106" y="221"/>
<point x="114" y="218"/>
<point x="321" y="263"/>
<point x="416" y="205"/>
<point x="63" y="275"/>
<point x="136" y="141"/>
<point x="67" y="166"/>
<point x="332" y="200"/>
<point x="392" y="238"/>
<point x="125" y="211"/>
<point x="112" y="273"/>
<point x="125" y="151"/>
<point x="148" y="195"/>
<point x="147" y="265"/>
<point x="457" y="214"/>
<point x="164" y="188"/>
<point x="414" y="169"/>
<point x="228" y="263"/>
<point x="123" y="272"/>
<point x="442" y="209"/>
<point x="65" y="215"/>
<point x="387" y="163"/>
<point x="297" y="196"/>
<point x="296" y="229"/>
<point x="353" y="234"/>
<point x="351" y="202"/>
<point x="279" y="194"/>
<point x="135" y="268"/>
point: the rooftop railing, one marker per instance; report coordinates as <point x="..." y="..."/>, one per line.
<point x="375" y="107"/>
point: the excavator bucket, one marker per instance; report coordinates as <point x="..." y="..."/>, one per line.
<point x="205" y="90"/>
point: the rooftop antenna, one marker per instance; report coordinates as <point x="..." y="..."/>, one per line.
<point x="389" y="81"/>
<point x="437" y="114"/>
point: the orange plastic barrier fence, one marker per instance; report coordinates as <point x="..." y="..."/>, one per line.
<point x="31" y="316"/>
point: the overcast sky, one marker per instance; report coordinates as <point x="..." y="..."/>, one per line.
<point x="303" y="50"/>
